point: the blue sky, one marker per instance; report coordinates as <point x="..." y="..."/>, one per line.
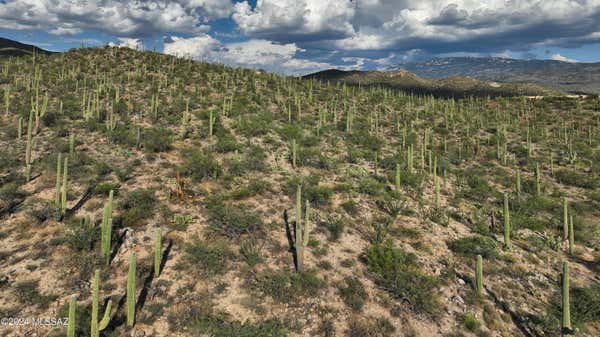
<point x="301" y="36"/>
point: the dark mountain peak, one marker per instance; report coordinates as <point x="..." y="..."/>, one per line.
<point x="14" y="48"/>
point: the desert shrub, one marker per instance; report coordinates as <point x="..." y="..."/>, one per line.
<point x="335" y="226"/>
<point x="288" y="287"/>
<point x="474" y="245"/>
<point x="251" y="251"/>
<point x="156" y="139"/>
<point x="27" y="293"/>
<point x="199" y="165"/>
<point x="369" y="327"/>
<point x="79" y="237"/>
<point x="232" y="220"/>
<point x="137" y="207"/>
<point x="207" y="258"/>
<point x="353" y="293"/>
<point x="227" y="143"/>
<point x="317" y="195"/>
<point x="398" y="272"/>
<point x="577" y="179"/>
<point x="469" y="321"/>
<point x="585" y="308"/>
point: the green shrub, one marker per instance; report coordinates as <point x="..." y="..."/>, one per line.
<point x="156" y="140"/>
<point x="26" y="292"/>
<point x="199" y="165"/>
<point x="369" y="327"/>
<point x="207" y="258"/>
<point x="474" y="245"/>
<point x="137" y="207"/>
<point x="353" y="293"/>
<point x="469" y="321"/>
<point x="233" y="220"/>
<point x="398" y="272"/>
<point x="289" y="287"/>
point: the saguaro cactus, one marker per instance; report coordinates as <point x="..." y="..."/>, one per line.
<point x="306" y="224"/>
<point x="507" y="244"/>
<point x="71" y="326"/>
<point x="565" y="218"/>
<point x="397" y="181"/>
<point x="479" y="274"/>
<point x="299" y="239"/>
<point x="96" y="326"/>
<point x="294" y="152"/>
<point x="571" y="237"/>
<point x="106" y="229"/>
<point x="57" y="194"/>
<point x="566" y="302"/>
<point x="518" y="183"/>
<point x="131" y="290"/>
<point x="157" y="253"/>
<point x="64" y="188"/>
<point x="538" y="180"/>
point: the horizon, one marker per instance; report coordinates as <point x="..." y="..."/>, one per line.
<point x="301" y="37"/>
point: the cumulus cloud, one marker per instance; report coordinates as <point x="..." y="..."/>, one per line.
<point x="125" y="42"/>
<point x="285" y="20"/>
<point x="130" y="18"/>
<point x="254" y="53"/>
<point x="559" y="57"/>
<point x="437" y="26"/>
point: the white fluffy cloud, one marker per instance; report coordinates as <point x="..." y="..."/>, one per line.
<point x="255" y="53"/>
<point x="437" y="26"/>
<point x="559" y="57"/>
<point x="126" y="42"/>
<point x="293" y="19"/>
<point x="129" y="18"/>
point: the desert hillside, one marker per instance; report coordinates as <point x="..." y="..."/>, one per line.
<point x="213" y="201"/>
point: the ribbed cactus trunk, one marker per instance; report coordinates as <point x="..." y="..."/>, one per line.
<point x="397" y="179"/>
<point x="538" y="180"/>
<point x="96" y="326"/>
<point x="131" y="278"/>
<point x="479" y="275"/>
<point x="299" y="240"/>
<point x="565" y="218"/>
<point x="71" y="325"/>
<point x="106" y="229"/>
<point x="157" y="253"/>
<point x="506" y="216"/>
<point x="57" y="198"/>
<point x="566" y="302"/>
<point x="64" y="188"/>
<point x="29" y="140"/>
<point x="571" y="236"/>
<point x="294" y="152"/>
<point x="306" y="230"/>
<point x="518" y="183"/>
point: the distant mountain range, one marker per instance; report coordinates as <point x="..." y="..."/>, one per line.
<point x="453" y="86"/>
<point x="559" y="75"/>
<point x="14" y="48"/>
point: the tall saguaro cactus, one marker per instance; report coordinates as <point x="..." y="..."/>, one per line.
<point x="96" y="326"/>
<point x="479" y="275"/>
<point x="571" y="236"/>
<point x="566" y="302"/>
<point x="106" y="229"/>
<point x="64" y="188"/>
<point x="157" y="253"/>
<point x="71" y="325"/>
<point x="565" y="218"/>
<point x="131" y="290"/>
<point x="299" y="238"/>
<point x="506" y="216"/>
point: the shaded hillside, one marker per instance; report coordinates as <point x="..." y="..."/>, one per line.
<point x="444" y="87"/>
<point x="14" y="48"/>
<point x="563" y="76"/>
